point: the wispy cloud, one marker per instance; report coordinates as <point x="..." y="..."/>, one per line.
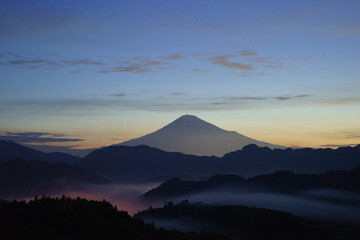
<point x="37" y="137"/>
<point x="134" y="65"/>
<point x="199" y="70"/>
<point x="223" y="60"/>
<point x="83" y="62"/>
<point x="119" y="95"/>
<point x="246" y="98"/>
<point x="26" y="61"/>
<point x="350" y="136"/>
<point x="247" y="53"/>
<point x="354" y="134"/>
<point x="178" y="93"/>
<point x="278" y="98"/>
<point x="302" y="96"/>
<point x="138" y="65"/>
<point x="182" y="101"/>
<point x="249" y="60"/>
<point x="276" y="66"/>
<point x="243" y="60"/>
<point x="31" y="62"/>
<point x="307" y="58"/>
<point x="174" y="56"/>
<point x="282" y="98"/>
<point x="175" y="101"/>
<point x="261" y="59"/>
<point x="339" y="145"/>
<point x="340" y="101"/>
<point x="350" y="133"/>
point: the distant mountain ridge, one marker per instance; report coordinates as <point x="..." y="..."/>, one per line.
<point x="281" y="181"/>
<point x="11" y="150"/>
<point x="191" y="135"/>
<point x="143" y="163"/>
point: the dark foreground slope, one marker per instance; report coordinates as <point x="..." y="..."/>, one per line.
<point x="11" y="150"/>
<point x="282" y="181"/>
<point x="65" y="218"/>
<point x="19" y="178"/>
<point x="145" y="163"/>
<point x="239" y="222"/>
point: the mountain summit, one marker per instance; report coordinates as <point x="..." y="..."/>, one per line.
<point x="191" y="123"/>
<point x="192" y="135"/>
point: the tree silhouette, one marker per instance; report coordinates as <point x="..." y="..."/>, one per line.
<point x="66" y="218"/>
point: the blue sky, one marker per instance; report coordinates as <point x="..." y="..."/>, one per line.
<point x="103" y="72"/>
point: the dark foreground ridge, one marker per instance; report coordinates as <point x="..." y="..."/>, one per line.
<point x="281" y="181"/>
<point x="240" y="222"/>
<point x="66" y="218"/>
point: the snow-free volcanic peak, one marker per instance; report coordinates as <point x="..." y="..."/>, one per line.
<point x="192" y="135"/>
<point x="191" y="123"/>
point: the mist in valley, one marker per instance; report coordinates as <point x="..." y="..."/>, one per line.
<point x="316" y="204"/>
<point x="321" y="204"/>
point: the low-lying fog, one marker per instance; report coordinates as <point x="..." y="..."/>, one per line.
<point x="327" y="205"/>
<point x="317" y="204"/>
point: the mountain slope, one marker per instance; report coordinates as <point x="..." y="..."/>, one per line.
<point x="20" y="178"/>
<point x="191" y="135"/>
<point x="144" y="163"/>
<point x="11" y="150"/>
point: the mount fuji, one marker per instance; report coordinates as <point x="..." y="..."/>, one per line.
<point x="191" y="135"/>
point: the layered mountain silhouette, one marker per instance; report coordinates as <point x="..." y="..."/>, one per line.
<point x="191" y="135"/>
<point x="20" y="178"/>
<point x="145" y="163"/>
<point x="11" y="150"/>
<point x="281" y="181"/>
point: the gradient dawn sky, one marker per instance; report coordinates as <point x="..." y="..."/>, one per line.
<point x="92" y="73"/>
